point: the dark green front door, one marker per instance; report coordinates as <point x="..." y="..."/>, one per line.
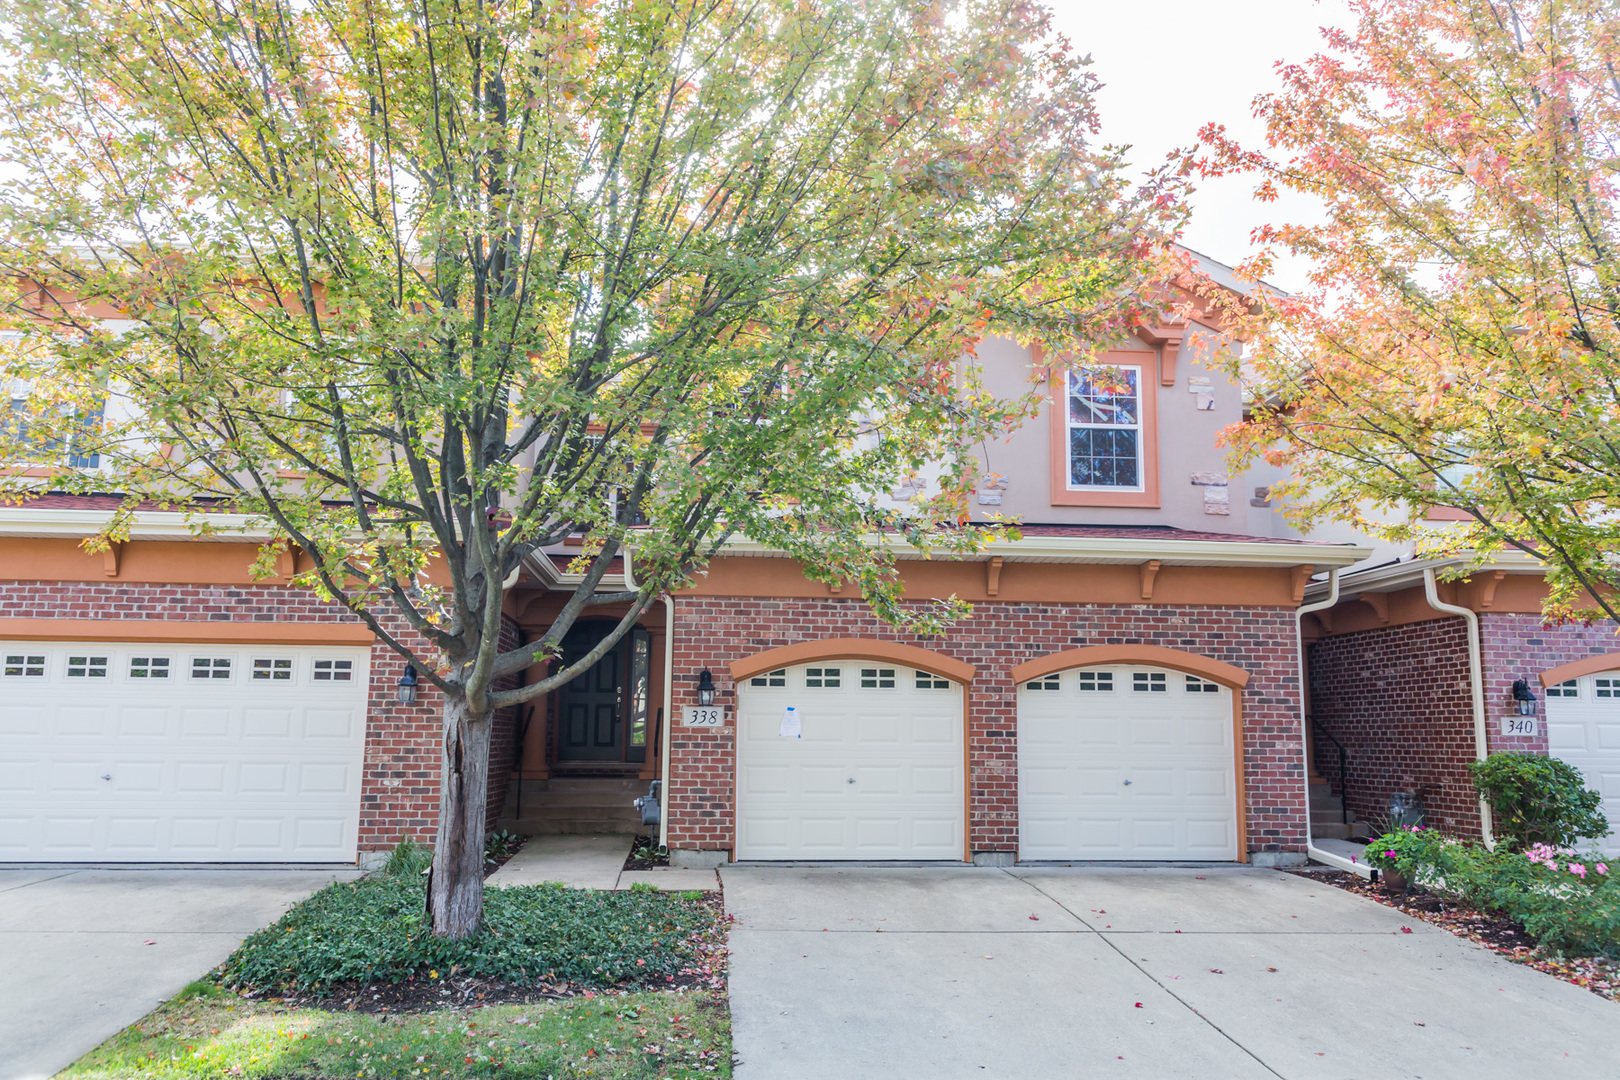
<point x="592" y="706"/>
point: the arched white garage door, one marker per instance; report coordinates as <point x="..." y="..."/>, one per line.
<point x="177" y="752"/>
<point x="1126" y="762"/>
<point x="1583" y="728"/>
<point x="875" y="771"/>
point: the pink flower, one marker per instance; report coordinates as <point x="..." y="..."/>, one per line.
<point x="1603" y="868"/>
<point x="1577" y="869"/>
<point x="1391" y="854"/>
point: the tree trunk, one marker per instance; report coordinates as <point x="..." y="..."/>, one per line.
<point x="456" y="887"/>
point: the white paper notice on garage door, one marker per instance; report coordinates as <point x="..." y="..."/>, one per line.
<point x="1126" y="763"/>
<point x="180" y="752"/>
<point x="875" y="770"/>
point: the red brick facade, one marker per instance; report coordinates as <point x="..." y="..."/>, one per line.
<point x="710" y="632"/>
<point x="1398" y="699"/>
<point x="399" y="794"/>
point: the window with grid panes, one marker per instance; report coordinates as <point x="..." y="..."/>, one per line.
<point x="272" y="669"/>
<point x="1096" y="681"/>
<point x="770" y="678"/>
<point x="1045" y="682"/>
<point x="1606" y="688"/>
<point x="211" y="667"/>
<point x="1148" y="682"/>
<point x="24" y="666"/>
<point x="1195" y="685"/>
<point x="334" y="670"/>
<point x="877" y="678"/>
<point x="87" y="667"/>
<point x="149" y="667"/>
<point x="929" y="681"/>
<point x="1567" y="688"/>
<point x="818" y="678"/>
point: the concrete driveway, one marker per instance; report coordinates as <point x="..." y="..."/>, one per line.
<point x="87" y="952"/>
<point x="1224" y="972"/>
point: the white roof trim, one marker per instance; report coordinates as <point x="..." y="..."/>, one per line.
<point x="1391" y="577"/>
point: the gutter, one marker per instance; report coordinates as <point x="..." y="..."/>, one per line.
<point x="669" y="718"/>
<point x="1314" y="853"/>
<point x="1477" y="681"/>
<point x="1169" y="552"/>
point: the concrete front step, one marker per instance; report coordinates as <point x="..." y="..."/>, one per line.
<point x="572" y="826"/>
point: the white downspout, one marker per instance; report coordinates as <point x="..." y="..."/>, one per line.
<point x="1477" y="680"/>
<point x="669" y="718"/>
<point x="1311" y="850"/>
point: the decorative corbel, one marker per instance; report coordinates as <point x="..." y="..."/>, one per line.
<point x="1149" y="570"/>
<point x="1487" y="588"/>
<point x="1379" y="602"/>
<point x="1325" y="619"/>
<point x="835" y="587"/>
<point x="1167" y="340"/>
<point x="992" y="576"/>
<point x="109" y="559"/>
<point x="286" y="561"/>
<point x="1299" y="577"/>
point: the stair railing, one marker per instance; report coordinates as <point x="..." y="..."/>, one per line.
<point x="1344" y="789"/>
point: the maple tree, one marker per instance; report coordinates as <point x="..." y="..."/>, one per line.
<point x="427" y="288"/>
<point x="1456" y="344"/>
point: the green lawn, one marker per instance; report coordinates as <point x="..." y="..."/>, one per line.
<point x="207" y="1032"/>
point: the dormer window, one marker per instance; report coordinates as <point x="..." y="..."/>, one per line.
<point x="1105" y="429"/>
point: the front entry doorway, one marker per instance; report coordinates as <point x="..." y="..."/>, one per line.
<point x="602" y="714"/>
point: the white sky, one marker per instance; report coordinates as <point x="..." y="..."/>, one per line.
<point x="1173" y="65"/>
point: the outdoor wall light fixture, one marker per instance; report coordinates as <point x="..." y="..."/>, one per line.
<point x="705" y="688"/>
<point x="407" y="686"/>
<point x="1524" y="698"/>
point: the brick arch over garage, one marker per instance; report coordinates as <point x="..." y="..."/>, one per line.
<point x="1156" y="655"/>
<point x="883" y="652"/>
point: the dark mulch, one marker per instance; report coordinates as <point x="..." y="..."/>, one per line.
<point x="416" y="995"/>
<point x="1488" y="928"/>
<point x="502" y="856"/>
<point x="643" y="856"/>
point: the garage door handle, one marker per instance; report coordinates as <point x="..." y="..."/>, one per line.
<point x="851" y="780"/>
<point x="106" y="776"/>
<point x="1127" y="783"/>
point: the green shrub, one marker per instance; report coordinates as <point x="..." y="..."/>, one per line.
<point x="1538" y="800"/>
<point x="408" y="859"/>
<point x="372" y="930"/>
<point x="501" y="844"/>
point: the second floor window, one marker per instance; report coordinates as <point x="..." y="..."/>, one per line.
<point x="1105" y="429"/>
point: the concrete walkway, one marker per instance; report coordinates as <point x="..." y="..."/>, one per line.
<point x="88" y="952"/>
<point x="592" y="862"/>
<point x="1036" y="973"/>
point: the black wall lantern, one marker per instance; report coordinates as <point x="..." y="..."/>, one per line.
<point x="407" y="686"/>
<point x="1524" y="698"/>
<point x="705" y="688"/>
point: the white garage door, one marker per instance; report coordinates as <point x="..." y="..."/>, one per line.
<point x="180" y="753"/>
<point x="875" y="771"/>
<point x="1583" y="728"/>
<point x="1126" y="763"/>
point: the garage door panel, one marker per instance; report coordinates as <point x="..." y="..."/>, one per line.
<point x="1125" y="774"/>
<point x="225" y="768"/>
<point x="1584" y="731"/>
<point x="900" y="745"/>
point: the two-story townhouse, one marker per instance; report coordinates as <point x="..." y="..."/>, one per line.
<point x="1127" y="687"/>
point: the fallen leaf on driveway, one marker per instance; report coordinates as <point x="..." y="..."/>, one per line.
<point x="1271" y="969"/>
<point x="1406" y="929"/>
<point x="1216" y="971"/>
<point x="1138" y="1004"/>
<point x="1034" y="918"/>
<point x="1175" y="976"/>
<point x="1420" y="1023"/>
<point x="148" y="943"/>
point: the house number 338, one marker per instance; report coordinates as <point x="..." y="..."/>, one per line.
<point x="705" y="716"/>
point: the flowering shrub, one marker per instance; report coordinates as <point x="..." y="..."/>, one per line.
<point x="1567" y="901"/>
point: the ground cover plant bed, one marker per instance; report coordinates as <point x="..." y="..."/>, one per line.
<point x="1494" y="931"/>
<point x="355" y="938"/>
<point x="644" y="856"/>
<point x="208" y="1032"/>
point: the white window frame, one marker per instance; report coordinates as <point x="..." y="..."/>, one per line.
<point x="1070" y="425"/>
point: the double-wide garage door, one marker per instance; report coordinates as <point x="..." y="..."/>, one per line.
<point x="1120" y="762"/>
<point x="180" y="752"/>
<point x="1583" y="728"/>
<point x="1126" y="763"/>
